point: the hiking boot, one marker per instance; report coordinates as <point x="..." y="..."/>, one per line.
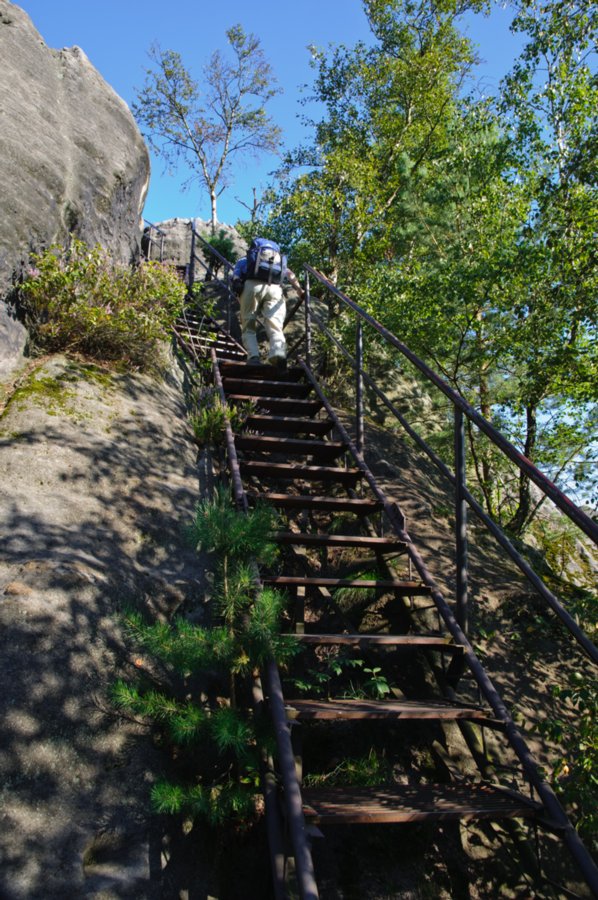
<point x="279" y="362"/>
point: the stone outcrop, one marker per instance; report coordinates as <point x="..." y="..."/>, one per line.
<point x="72" y="159"/>
<point x="170" y="241"/>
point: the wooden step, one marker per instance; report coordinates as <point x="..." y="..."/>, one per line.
<point x="256" y="387"/>
<point x="288" y="424"/>
<point x="413" y="803"/>
<point x="401" y="588"/>
<point x="278" y="404"/>
<point x="262" y="371"/>
<point x="409" y="641"/>
<point x="348" y="477"/>
<point x="380" y="544"/>
<point x="289" y="446"/>
<point x="338" y="710"/>
<point x="306" y="501"/>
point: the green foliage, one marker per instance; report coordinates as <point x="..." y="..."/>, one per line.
<point x="576" y="773"/>
<point x="189" y="649"/>
<point x="331" y="677"/>
<point x="219" y="528"/>
<point x="209" y="421"/>
<point x="215" y="740"/>
<point x="78" y="300"/>
<point x="217" y="805"/>
<point x="364" y="771"/>
<point x="224" y="244"/>
<point x="466" y="225"/>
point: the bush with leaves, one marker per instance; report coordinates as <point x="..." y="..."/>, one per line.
<point x="209" y="422"/>
<point x="225" y="246"/>
<point x="575" y="776"/>
<point x="216" y="740"/>
<point x="78" y="300"/>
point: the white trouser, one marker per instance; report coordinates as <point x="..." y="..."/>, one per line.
<point x="267" y="302"/>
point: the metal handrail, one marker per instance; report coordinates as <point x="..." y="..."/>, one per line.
<point x="577" y="515"/>
<point x="559" y="819"/>
<point x="464" y="496"/>
<point x="292" y="793"/>
<point x="151" y="227"/>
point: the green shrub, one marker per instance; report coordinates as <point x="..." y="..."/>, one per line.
<point x="575" y="776"/>
<point x="225" y="246"/>
<point x="209" y="422"/>
<point x="78" y="300"/>
<point x="214" y="738"/>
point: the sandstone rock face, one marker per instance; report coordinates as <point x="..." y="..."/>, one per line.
<point x="72" y="159"/>
<point x="170" y="241"/>
<point x="13" y="338"/>
<point x="99" y="477"/>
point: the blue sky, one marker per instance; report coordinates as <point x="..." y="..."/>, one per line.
<point x="116" y="36"/>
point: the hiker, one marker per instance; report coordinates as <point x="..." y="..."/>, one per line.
<point x="258" y="280"/>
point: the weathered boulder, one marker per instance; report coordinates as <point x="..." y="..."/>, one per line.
<point x="170" y="241"/>
<point x="72" y="159"/>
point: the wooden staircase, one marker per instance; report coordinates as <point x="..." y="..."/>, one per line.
<point x="334" y="524"/>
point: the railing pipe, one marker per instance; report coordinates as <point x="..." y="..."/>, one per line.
<point x="394" y="514"/>
<point x="547" y="796"/>
<point x="307" y="307"/>
<point x="274" y="825"/>
<point x="233" y="461"/>
<point x="551" y="803"/>
<point x="359" y="414"/>
<point x="556" y="606"/>
<point x="221" y="259"/>
<point x="567" y="506"/>
<point x="162" y="234"/>
<point x="191" y="269"/>
<point x="308" y="889"/>
<point x="462" y="600"/>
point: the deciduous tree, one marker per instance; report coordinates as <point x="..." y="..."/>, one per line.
<point x="206" y="124"/>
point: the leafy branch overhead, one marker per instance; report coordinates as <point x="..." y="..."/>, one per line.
<point x="206" y="124"/>
<point x="466" y="223"/>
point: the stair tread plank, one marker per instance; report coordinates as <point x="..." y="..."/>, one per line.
<point x="339" y="709"/>
<point x="411" y="803"/>
<point x="278" y="404"/>
<point x="266" y="444"/>
<point x="404" y="587"/>
<point x="339" y="540"/>
<point x="289" y="424"/>
<point x="261" y="371"/>
<point x="307" y="501"/>
<point x="266" y="388"/>
<point x="306" y="473"/>
<point x="389" y="640"/>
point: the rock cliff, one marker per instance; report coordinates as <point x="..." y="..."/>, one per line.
<point x="72" y="159"/>
<point x="170" y="241"/>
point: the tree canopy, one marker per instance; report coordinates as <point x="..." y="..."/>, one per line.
<point x="467" y="224"/>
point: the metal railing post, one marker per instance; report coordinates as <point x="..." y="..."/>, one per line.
<point x="307" y="321"/>
<point x="462" y="597"/>
<point x="359" y="421"/>
<point x="191" y="269"/>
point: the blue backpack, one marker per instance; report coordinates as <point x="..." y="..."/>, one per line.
<point x="265" y="262"/>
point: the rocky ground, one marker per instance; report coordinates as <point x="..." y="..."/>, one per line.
<point x="99" y="478"/>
